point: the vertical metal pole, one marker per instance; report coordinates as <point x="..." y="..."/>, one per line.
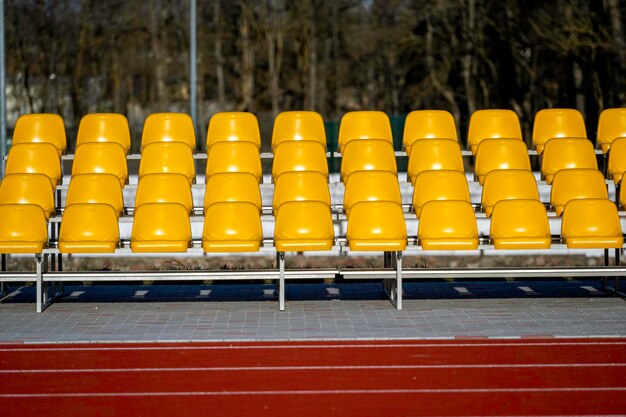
<point x="39" y="290"/>
<point x="281" y="281"/>
<point x="399" y="280"/>
<point x="3" y="101"/>
<point x="193" y="84"/>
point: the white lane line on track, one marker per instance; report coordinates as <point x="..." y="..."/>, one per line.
<point x="315" y="368"/>
<point x="226" y="346"/>
<point x="313" y="392"/>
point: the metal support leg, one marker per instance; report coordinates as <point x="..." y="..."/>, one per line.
<point x="617" y="263"/>
<point x="39" y="290"/>
<point x="398" y="280"/>
<point x="281" y="281"/>
<point x="605" y="280"/>
<point x="393" y="287"/>
<point x="3" y="262"/>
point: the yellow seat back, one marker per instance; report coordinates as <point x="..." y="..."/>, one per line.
<point x="612" y="125"/>
<point x="364" y="125"/>
<point x="572" y="184"/>
<point x="617" y="160"/>
<point x="89" y="228"/>
<point x="28" y="189"/>
<point x="168" y="127"/>
<point x="508" y="184"/>
<point x="298" y="125"/>
<point x="168" y="158"/>
<point x="371" y="186"/>
<point x="164" y="188"/>
<point x="447" y="225"/>
<point x="428" y="124"/>
<point x="567" y="153"/>
<point x="41" y="128"/>
<point x="304" y="155"/>
<point x="96" y="189"/>
<point x="161" y="227"/>
<point x="434" y="154"/>
<point x="520" y="224"/>
<point x="233" y="127"/>
<point x="557" y="123"/>
<point x="492" y="124"/>
<point x="300" y="186"/>
<point x="376" y="226"/>
<point x="439" y="185"/>
<point x="232" y="227"/>
<point x="101" y="158"/>
<point x="23" y="228"/>
<point x="591" y="224"/>
<point x="367" y="155"/>
<point x="232" y="187"/>
<point x="234" y="157"/>
<point x="35" y="158"/>
<point x="493" y="154"/>
<point x="303" y="226"/>
<point x="104" y="127"/>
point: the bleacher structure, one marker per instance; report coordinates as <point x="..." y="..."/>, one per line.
<point x="232" y="206"/>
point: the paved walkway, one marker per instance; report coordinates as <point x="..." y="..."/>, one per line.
<point x="105" y="313"/>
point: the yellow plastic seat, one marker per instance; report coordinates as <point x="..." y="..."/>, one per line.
<point x="376" y="226"/>
<point x="508" y="184"/>
<point x="28" y="189"/>
<point x="447" y="225"/>
<point x="41" y="128"/>
<point x="303" y="226"/>
<point x="160" y="227"/>
<point x="234" y="157"/>
<point x="557" y="123"/>
<point x="232" y="187"/>
<point x="612" y="125"/>
<point x="232" y="227"/>
<point x="96" y="189"/>
<point x="439" y="185"/>
<point x="164" y="188"/>
<point x="494" y="154"/>
<point x="89" y="228"/>
<point x="492" y="124"/>
<point x="35" y="158"/>
<point x="567" y="153"/>
<point x="298" y="125"/>
<point x="233" y="127"/>
<point x="364" y="125"/>
<point x="101" y="158"/>
<point x="622" y="197"/>
<point x="617" y="160"/>
<point x="104" y="127"/>
<point x="300" y="186"/>
<point x="166" y="158"/>
<point x="23" y="228"/>
<point x="367" y="155"/>
<point x="371" y="186"/>
<point x="304" y="155"/>
<point x="520" y="224"/>
<point x="572" y="184"/>
<point x="434" y="154"/>
<point x="168" y="127"/>
<point x="428" y="124"/>
<point x="591" y="224"/>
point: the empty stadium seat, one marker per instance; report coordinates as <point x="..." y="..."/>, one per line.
<point x="371" y="186"/>
<point x="494" y="154"/>
<point x="492" y="124"/>
<point x="622" y="197"/>
<point x="101" y="158"/>
<point x="233" y="127"/>
<point x="557" y="123"/>
<point x="434" y="154"/>
<point x="168" y="127"/>
<point x="439" y="185"/>
<point x="28" y="189"/>
<point x="617" y="160"/>
<point x="232" y="187"/>
<point x="428" y="124"/>
<point x="298" y="125"/>
<point x="96" y="189"/>
<point x="161" y="227"/>
<point x="304" y="155"/>
<point x="572" y="184"/>
<point x="35" y="158"/>
<point x="104" y="127"/>
<point x="41" y="128"/>
<point x="520" y="224"/>
<point x="89" y="228"/>
<point x="300" y="186"/>
<point x="303" y="226"/>
<point x="367" y="155"/>
<point x="23" y="228"/>
<point x="447" y="225"/>
<point x="164" y="188"/>
<point x="567" y="153"/>
<point x="168" y="157"/>
<point x="234" y="157"/>
<point x="232" y="227"/>
<point x="376" y="226"/>
<point x="612" y="125"/>
<point x="591" y="224"/>
<point x="508" y="184"/>
<point x="364" y="125"/>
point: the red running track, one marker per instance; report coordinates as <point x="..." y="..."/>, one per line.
<point x="393" y="378"/>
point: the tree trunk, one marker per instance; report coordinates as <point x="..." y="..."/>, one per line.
<point x="157" y="55"/>
<point x="219" y="57"/>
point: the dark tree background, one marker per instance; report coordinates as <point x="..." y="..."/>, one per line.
<point x="74" y="57"/>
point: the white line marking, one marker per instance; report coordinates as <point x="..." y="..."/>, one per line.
<point x="312" y="392"/>
<point x="589" y="288"/>
<point x="462" y="290"/>
<point x="314" y="368"/>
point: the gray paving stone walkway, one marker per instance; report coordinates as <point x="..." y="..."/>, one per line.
<point x="229" y="312"/>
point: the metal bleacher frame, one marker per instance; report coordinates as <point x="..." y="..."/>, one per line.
<point x="49" y="276"/>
